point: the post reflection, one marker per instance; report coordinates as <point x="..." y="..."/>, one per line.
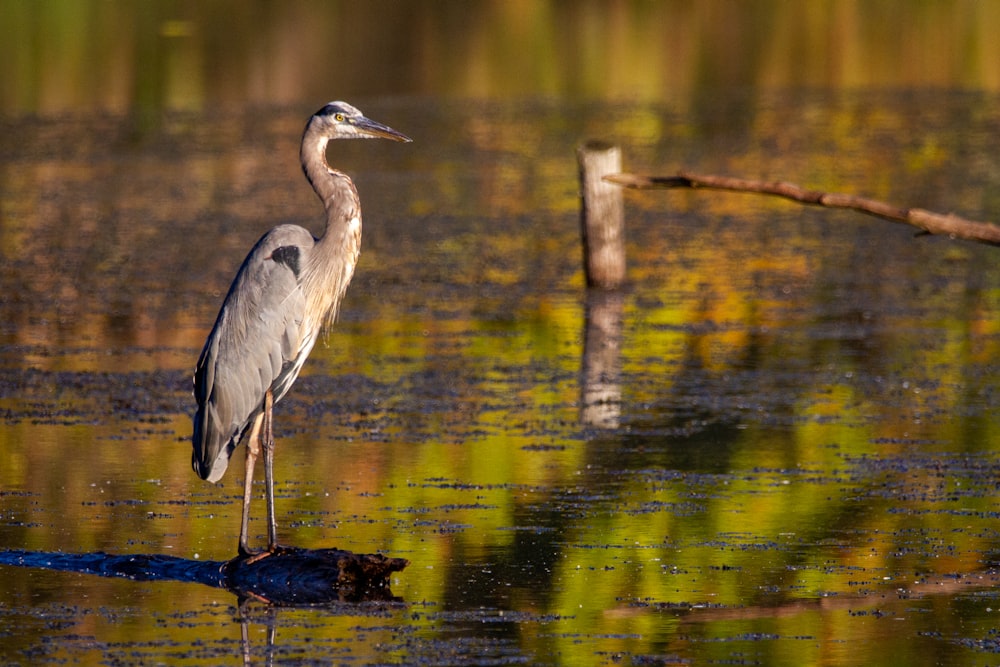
<point x="600" y="387"/>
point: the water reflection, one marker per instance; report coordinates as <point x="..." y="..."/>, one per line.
<point x="600" y="399"/>
<point x="805" y="400"/>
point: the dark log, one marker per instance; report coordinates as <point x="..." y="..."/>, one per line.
<point x="293" y="576"/>
<point x="928" y="222"/>
<point x="602" y="215"/>
<point x="288" y="577"/>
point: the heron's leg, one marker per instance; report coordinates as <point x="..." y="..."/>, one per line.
<point x="244" y="631"/>
<point x="267" y="441"/>
<point x="253" y="449"/>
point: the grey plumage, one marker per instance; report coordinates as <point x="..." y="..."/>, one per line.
<point x="257" y="343"/>
<point x="289" y="287"/>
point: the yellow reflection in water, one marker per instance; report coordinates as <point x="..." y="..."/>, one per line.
<point x="60" y="56"/>
<point x="804" y="401"/>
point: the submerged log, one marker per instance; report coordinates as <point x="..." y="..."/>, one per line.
<point x="928" y="222"/>
<point x="288" y="577"/>
<point x="293" y="576"/>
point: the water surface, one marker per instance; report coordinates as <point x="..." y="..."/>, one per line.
<point x="796" y="464"/>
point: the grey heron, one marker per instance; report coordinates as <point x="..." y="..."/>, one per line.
<point x="288" y="289"/>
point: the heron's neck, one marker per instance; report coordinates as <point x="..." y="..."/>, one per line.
<point x="333" y="187"/>
<point x="330" y="265"/>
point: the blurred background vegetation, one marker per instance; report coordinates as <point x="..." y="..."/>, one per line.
<point x="59" y="56"/>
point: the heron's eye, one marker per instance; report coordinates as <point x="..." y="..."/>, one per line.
<point x="339" y="118"/>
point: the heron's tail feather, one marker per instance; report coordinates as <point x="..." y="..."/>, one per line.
<point x="211" y="451"/>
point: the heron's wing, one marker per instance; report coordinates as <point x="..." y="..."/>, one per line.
<point x="258" y="342"/>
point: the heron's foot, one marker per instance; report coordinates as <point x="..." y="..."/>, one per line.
<point x="250" y="557"/>
<point x="259" y="556"/>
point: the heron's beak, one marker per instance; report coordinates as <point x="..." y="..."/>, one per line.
<point x="375" y="129"/>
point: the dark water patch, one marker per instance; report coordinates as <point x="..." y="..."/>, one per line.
<point x="987" y="644"/>
<point x="492" y="616"/>
<point x="80" y="397"/>
<point x="451" y="507"/>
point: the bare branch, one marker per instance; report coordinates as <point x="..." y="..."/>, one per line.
<point x="928" y="221"/>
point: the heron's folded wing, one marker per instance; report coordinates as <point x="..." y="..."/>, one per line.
<point x="256" y="344"/>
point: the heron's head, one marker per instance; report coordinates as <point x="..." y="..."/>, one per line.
<point x="340" y="120"/>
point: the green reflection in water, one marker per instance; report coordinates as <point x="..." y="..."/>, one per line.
<point x="805" y="428"/>
<point x="143" y="57"/>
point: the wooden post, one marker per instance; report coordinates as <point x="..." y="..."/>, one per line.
<point x="602" y="215"/>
